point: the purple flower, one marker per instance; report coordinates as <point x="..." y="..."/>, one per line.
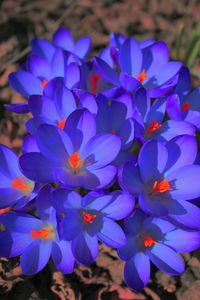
<point x="164" y="179"/>
<point x="75" y="156"/>
<point x="148" y="67"/>
<point x="15" y="188"/>
<point x="35" y="240"/>
<point x="155" y="240"/>
<point x="90" y="219"/>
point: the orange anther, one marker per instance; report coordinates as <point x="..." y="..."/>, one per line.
<point x="153" y="126"/>
<point x="43" y="84"/>
<point x="142" y="76"/>
<point x="185" y="106"/>
<point x="88" y="218"/>
<point x="20" y="184"/>
<point x="75" y="162"/>
<point x="161" y="187"/>
<point x="61" y="123"/>
<point x="149" y="241"/>
<point x="93" y="82"/>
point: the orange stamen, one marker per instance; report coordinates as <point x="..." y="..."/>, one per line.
<point x="75" y="162"/>
<point x="113" y="131"/>
<point x="142" y="76"/>
<point x="161" y="187"/>
<point x="42" y="234"/>
<point x="88" y="218"/>
<point x="93" y="82"/>
<point x="185" y="106"/>
<point x="61" y="123"/>
<point x="20" y="184"/>
<point x="5" y="210"/>
<point x="148" y="241"/>
<point x="153" y="126"/>
<point x="43" y="84"/>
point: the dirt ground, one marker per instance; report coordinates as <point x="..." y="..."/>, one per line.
<point x="22" y="20"/>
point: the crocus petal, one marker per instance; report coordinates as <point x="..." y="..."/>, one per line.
<point x="173" y="107"/>
<point x="111" y="234"/>
<point x="127" y="133"/>
<point x="185" y="184"/>
<point x="18" y="108"/>
<point x="30" y="144"/>
<point x="184" y="84"/>
<point x="62" y="38"/>
<point x="82" y="47"/>
<point x="106" y="71"/>
<point x="166" y="259"/>
<point x="39" y="67"/>
<point x="35" y="257"/>
<point x="157" y="111"/>
<point x="128" y="82"/>
<point x="178" y="154"/>
<point x="104" y="175"/>
<point x="120" y="206"/>
<point x="88" y="101"/>
<point x="152" y="160"/>
<point x="129" y="178"/>
<point x="8" y="162"/>
<point x="43" y="48"/>
<point x="130" y="57"/>
<point x="137" y="271"/>
<point x="58" y="64"/>
<point x="71" y="225"/>
<point x="153" y="205"/>
<point x="25" y="83"/>
<point x="85" y="248"/>
<point x="103" y="149"/>
<point x="183" y="241"/>
<point x="63" y="199"/>
<point x="72" y="76"/>
<point x="42" y="107"/>
<point x="142" y="101"/>
<point x="37" y="167"/>
<point x="9" y="196"/>
<point x="63" y="257"/>
<point x="133" y="224"/>
<point x="65" y="102"/>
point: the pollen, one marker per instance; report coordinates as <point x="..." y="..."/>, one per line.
<point x="43" y="234"/>
<point x="185" y="106"/>
<point x="149" y="241"/>
<point x="43" y="84"/>
<point x="5" y="210"/>
<point x="75" y="162"/>
<point x="61" y="123"/>
<point x="20" y="184"/>
<point x="113" y="131"/>
<point x="88" y="218"/>
<point x="94" y="78"/>
<point x="153" y="126"/>
<point x="161" y="187"/>
<point x="142" y="76"/>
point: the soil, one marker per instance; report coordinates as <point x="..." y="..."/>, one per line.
<point x="20" y="22"/>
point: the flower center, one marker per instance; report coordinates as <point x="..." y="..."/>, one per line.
<point x="20" y="184"/>
<point x="75" y="162"/>
<point x="153" y="126"/>
<point x="93" y="82"/>
<point x="142" y="76"/>
<point x="43" y="84"/>
<point x="113" y="131"/>
<point x="61" y="123"/>
<point x="161" y="187"/>
<point x="88" y="218"/>
<point x="149" y="241"/>
<point x="43" y="234"/>
<point x="185" y="106"/>
<point x="5" y="210"/>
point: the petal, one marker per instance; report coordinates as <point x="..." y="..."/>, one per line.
<point x="72" y="76"/>
<point x="30" y="144"/>
<point x="42" y="107"/>
<point x="42" y="48"/>
<point x="128" y="82"/>
<point x="39" y="67"/>
<point x="185" y="185"/>
<point x="129" y="178"/>
<point x="71" y="226"/>
<point x="134" y="224"/>
<point x="88" y="101"/>
<point x="130" y="57"/>
<point x="54" y="143"/>
<point x="82" y="47"/>
<point x="103" y="149"/>
<point x="178" y="154"/>
<point x="157" y="111"/>
<point x="104" y="175"/>
<point x="8" y="162"/>
<point x="18" y="108"/>
<point x="142" y="101"/>
<point x="137" y="271"/>
<point x="63" y="257"/>
<point x="25" y="83"/>
<point x="58" y="63"/>
<point x="153" y="205"/>
<point x="9" y="196"/>
<point x="184" y="84"/>
<point x="183" y="241"/>
<point x="65" y="102"/>
<point x="35" y="257"/>
<point x="62" y="38"/>
<point x="111" y="234"/>
<point x="85" y="248"/>
<point x="37" y="167"/>
<point x="127" y="133"/>
<point x="106" y="71"/>
<point x="120" y="206"/>
<point x="173" y="107"/>
<point x="166" y="259"/>
<point x="63" y="199"/>
<point x="152" y="160"/>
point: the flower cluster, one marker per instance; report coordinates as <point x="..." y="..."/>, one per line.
<point x="110" y="138"/>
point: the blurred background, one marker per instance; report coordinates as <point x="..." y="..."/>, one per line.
<point x="175" y="22"/>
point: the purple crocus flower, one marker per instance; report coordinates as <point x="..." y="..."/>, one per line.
<point x="148" y="67"/>
<point x="164" y="179"/>
<point x="183" y="104"/>
<point x="90" y="219"/>
<point x="16" y="189"/>
<point x="36" y="240"/>
<point x="75" y="156"/>
<point x="63" y="39"/>
<point x="155" y="240"/>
